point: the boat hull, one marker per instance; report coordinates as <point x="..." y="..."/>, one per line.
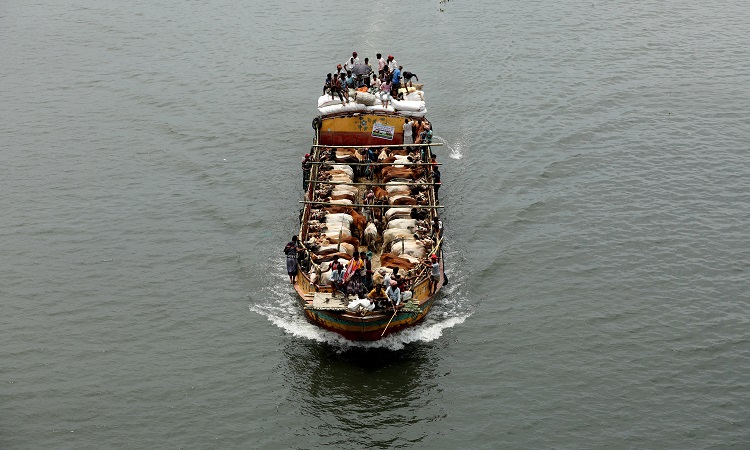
<point x="373" y="325"/>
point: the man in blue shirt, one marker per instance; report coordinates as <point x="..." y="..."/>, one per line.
<point x="396" y="80"/>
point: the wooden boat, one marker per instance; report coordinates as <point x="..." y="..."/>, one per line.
<point x="342" y="173"/>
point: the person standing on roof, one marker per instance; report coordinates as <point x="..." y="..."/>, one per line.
<point x="336" y="88"/>
<point x="351" y="62"/>
<point x="385" y="92"/>
<point x="362" y="73"/>
<point x="381" y="65"/>
<point x="396" y="80"/>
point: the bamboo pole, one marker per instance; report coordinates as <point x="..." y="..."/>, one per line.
<point x="358" y="205"/>
<point x="389" y="322"/>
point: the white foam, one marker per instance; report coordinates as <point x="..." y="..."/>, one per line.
<point x="283" y="311"/>
<point x="454" y="151"/>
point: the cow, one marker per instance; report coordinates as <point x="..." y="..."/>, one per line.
<point x="351" y="240"/>
<point x="397" y="189"/>
<point x="347" y="155"/>
<point x="398" y="213"/>
<point x="409" y="247"/>
<point x="334" y="248"/>
<point x="393" y="234"/>
<point x="402" y="200"/>
<point x="344" y="168"/>
<point x="346" y="196"/>
<point x="370" y="235"/>
<point x="404" y="263"/>
<point x="358" y="220"/>
<point x="402" y="223"/>
<point x="391" y="173"/>
<point x="380" y="194"/>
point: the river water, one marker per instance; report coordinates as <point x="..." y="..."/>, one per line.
<point x="597" y="194"/>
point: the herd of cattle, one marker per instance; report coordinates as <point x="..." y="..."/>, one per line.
<point x="383" y="216"/>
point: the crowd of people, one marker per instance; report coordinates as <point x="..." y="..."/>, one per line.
<point x="386" y="82"/>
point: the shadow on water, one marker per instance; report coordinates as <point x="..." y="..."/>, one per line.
<point x="369" y="392"/>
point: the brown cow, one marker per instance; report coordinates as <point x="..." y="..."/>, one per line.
<point x="347" y="155"/>
<point x="403" y="200"/>
<point x="390" y="260"/>
<point x="349" y="197"/>
<point x="330" y="257"/>
<point x="391" y="173"/>
<point x="380" y="193"/>
<point x="348" y="239"/>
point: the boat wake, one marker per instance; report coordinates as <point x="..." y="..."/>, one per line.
<point x="454" y="151"/>
<point x="278" y="304"/>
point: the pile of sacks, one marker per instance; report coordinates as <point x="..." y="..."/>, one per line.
<point x="413" y="104"/>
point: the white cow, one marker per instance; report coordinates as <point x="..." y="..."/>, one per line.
<point x="397" y="189"/>
<point x="409" y="247"/>
<point x="398" y="213"/>
<point x="344" y="168"/>
<point x="370" y="234"/>
<point x="392" y="234"/>
<point x="402" y="223"/>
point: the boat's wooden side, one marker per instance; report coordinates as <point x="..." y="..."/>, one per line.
<point x="358" y="130"/>
<point x="373" y="325"/>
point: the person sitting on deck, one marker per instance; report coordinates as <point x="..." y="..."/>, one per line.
<point x="365" y="304"/>
<point x="339" y="71"/>
<point x="394" y="294"/>
<point x="351" y="81"/>
<point x="377" y="295"/>
<point x="374" y="85"/>
<point x="344" y="87"/>
<point x="327" y="85"/>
